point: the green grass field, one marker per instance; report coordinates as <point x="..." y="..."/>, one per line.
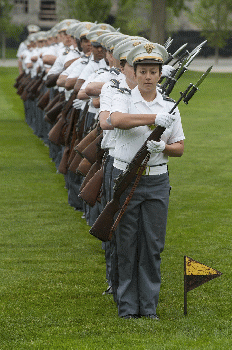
<point x="52" y="269"/>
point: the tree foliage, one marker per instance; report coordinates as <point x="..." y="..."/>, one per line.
<point x="213" y="18"/>
<point x="91" y="10"/>
<point x="6" y="27"/>
<point x="136" y="17"/>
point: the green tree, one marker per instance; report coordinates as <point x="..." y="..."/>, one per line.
<point x="7" y="29"/>
<point x="213" y="17"/>
<point x="148" y="16"/>
<point x="91" y="10"/>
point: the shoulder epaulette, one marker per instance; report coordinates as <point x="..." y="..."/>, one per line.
<point x="167" y="98"/>
<point x="67" y="49"/>
<point x="76" y="50"/>
<point x="115" y="83"/>
<point x="115" y="70"/>
<point x="102" y="70"/>
<point x="124" y="91"/>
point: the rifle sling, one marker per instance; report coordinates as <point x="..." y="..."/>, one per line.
<point x="123" y="209"/>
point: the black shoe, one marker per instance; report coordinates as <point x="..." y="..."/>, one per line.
<point x="128" y="317"/>
<point x="152" y="317"/>
<point x="109" y="290"/>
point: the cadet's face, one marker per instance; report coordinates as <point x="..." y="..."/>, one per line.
<point x="86" y="46"/>
<point x="147" y="76"/>
<point x="67" y="40"/>
<point x="128" y="71"/>
<point x="109" y="58"/>
<point x="99" y="53"/>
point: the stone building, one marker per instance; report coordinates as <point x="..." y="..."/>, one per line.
<point x="43" y="13"/>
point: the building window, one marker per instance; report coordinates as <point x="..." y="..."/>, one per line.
<point x="21" y="6"/>
<point x="47" y="10"/>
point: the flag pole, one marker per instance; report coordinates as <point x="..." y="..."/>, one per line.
<point x="185" y="287"/>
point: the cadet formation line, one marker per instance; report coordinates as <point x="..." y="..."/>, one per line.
<point x="94" y="95"/>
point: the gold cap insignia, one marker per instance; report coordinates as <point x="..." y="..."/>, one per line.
<point x="99" y="33"/>
<point x="136" y="43"/>
<point x="103" y="26"/>
<point x="68" y="23"/>
<point x="149" y="47"/>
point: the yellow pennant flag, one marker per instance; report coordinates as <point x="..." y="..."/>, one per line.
<point x="196" y="274"/>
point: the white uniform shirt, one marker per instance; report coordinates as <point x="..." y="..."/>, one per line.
<point x="128" y="142"/>
<point x="92" y="67"/>
<point x="106" y="97"/>
<point x="75" y="69"/>
<point x="21" y="48"/>
<point x="59" y="63"/>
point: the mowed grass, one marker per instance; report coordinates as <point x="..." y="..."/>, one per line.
<point x="52" y="269"/>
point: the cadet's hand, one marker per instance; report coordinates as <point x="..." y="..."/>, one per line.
<point x="167" y="71"/>
<point x="155" y="147"/>
<point x="77" y="103"/>
<point x="164" y="119"/>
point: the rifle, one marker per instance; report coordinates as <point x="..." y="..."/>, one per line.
<point x="61" y="106"/>
<point x="17" y="80"/>
<point x="44" y="100"/>
<point x="83" y="167"/>
<point x="104" y="225"/>
<point x="70" y="136"/>
<point x="92" y="150"/>
<point x="51" y="80"/>
<point x="79" y="132"/>
<point x="184" y="62"/>
<point x="90" y="193"/>
<point x="52" y="102"/>
<point x="52" y="115"/>
<point x="90" y="137"/>
<point x="96" y="164"/>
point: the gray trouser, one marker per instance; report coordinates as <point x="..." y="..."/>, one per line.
<point x="140" y="238"/>
<point x="106" y="197"/>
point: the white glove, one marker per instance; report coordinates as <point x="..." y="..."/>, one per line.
<point x="155" y="147"/>
<point x="167" y="70"/>
<point x="77" y="103"/>
<point x="164" y="119"/>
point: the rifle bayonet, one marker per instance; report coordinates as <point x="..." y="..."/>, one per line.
<point x="194" y="88"/>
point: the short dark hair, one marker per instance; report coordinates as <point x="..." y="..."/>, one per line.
<point x="122" y="63"/>
<point x="149" y="64"/>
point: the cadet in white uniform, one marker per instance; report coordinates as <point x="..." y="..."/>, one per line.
<point x="141" y="232"/>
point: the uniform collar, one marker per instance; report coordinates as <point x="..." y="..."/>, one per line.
<point x="137" y="97"/>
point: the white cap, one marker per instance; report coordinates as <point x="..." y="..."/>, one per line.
<point x="147" y="53"/>
<point x="33" y="28"/>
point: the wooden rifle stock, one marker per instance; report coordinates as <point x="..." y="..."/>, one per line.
<point x="79" y="132"/>
<point x="18" y="79"/>
<point x="83" y="167"/>
<point x="87" y="140"/>
<point x="55" y="134"/>
<point x="52" y="103"/>
<point x="102" y="226"/>
<point x="52" y="115"/>
<point x="91" y="151"/>
<point x="91" y="191"/>
<point x="51" y="80"/>
<point x="44" y="100"/>
<point x="70" y="136"/>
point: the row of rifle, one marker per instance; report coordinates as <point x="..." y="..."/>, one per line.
<point x="82" y="153"/>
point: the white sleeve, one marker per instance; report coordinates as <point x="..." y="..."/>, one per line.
<point x="89" y="69"/>
<point x="177" y="133"/>
<point x="106" y="96"/>
<point x="90" y="79"/>
<point x="120" y="102"/>
<point x="57" y="66"/>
